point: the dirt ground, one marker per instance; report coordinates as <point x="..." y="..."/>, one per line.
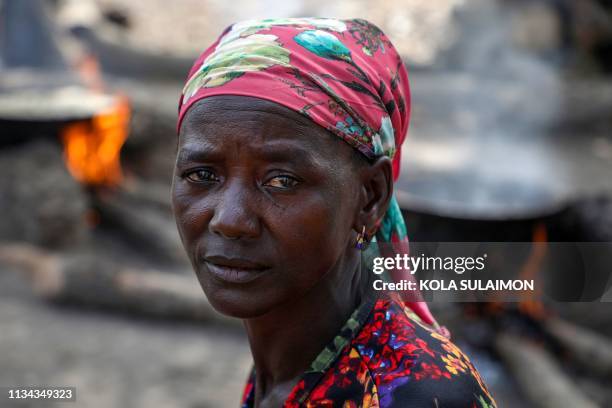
<point x="116" y="360"/>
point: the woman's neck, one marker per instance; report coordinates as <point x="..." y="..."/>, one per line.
<point x="285" y="341"/>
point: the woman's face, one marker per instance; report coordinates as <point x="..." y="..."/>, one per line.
<point x="265" y="202"/>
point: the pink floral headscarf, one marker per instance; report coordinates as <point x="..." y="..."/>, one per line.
<point x="345" y="75"/>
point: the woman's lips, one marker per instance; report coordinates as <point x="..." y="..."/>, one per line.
<point x="234" y="270"/>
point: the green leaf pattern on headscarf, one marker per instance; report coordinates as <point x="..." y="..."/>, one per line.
<point x="323" y="44"/>
<point x="253" y="53"/>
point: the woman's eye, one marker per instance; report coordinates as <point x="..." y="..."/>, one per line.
<point x="282" y="182"/>
<point x="201" y="176"/>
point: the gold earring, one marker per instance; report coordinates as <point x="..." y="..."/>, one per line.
<point x="361" y="238"/>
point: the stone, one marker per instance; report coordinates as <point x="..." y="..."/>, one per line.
<point x="40" y="202"/>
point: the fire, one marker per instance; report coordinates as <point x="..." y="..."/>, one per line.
<point x="91" y="148"/>
<point x="528" y="305"/>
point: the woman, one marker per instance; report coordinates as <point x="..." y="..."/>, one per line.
<point x="289" y="142"/>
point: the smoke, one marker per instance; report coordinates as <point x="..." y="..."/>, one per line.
<point x="480" y="142"/>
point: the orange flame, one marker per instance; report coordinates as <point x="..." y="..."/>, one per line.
<point x="91" y="148"/>
<point x="528" y="305"/>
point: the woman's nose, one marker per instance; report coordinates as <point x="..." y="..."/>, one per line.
<point x="234" y="217"/>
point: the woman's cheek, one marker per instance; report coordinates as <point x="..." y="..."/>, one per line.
<point x="308" y="231"/>
<point x="191" y="215"/>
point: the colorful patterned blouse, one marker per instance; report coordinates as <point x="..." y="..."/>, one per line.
<point x="384" y="356"/>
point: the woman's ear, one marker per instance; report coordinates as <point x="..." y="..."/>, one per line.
<point x="376" y="193"/>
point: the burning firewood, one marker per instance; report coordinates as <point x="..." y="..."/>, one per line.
<point x="589" y="349"/>
<point x="93" y="281"/>
<point x="539" y="376"/>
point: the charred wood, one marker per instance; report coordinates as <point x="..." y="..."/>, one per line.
<point x="589" y="349"/>
<point x="539" y="376"/>
<point x="100" y="283"/>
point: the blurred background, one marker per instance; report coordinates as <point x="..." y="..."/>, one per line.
<point x="510" y="140"/>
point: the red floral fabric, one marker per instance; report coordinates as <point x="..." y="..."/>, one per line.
<point x="390" y="360"/>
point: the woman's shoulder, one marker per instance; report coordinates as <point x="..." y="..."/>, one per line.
<point x="412" y="364"/>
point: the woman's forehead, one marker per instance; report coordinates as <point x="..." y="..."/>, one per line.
<point x="220" y="108"/>
<point x="237" y="119"/>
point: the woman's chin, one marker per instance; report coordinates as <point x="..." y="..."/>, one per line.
<point x="240" y="305"/>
